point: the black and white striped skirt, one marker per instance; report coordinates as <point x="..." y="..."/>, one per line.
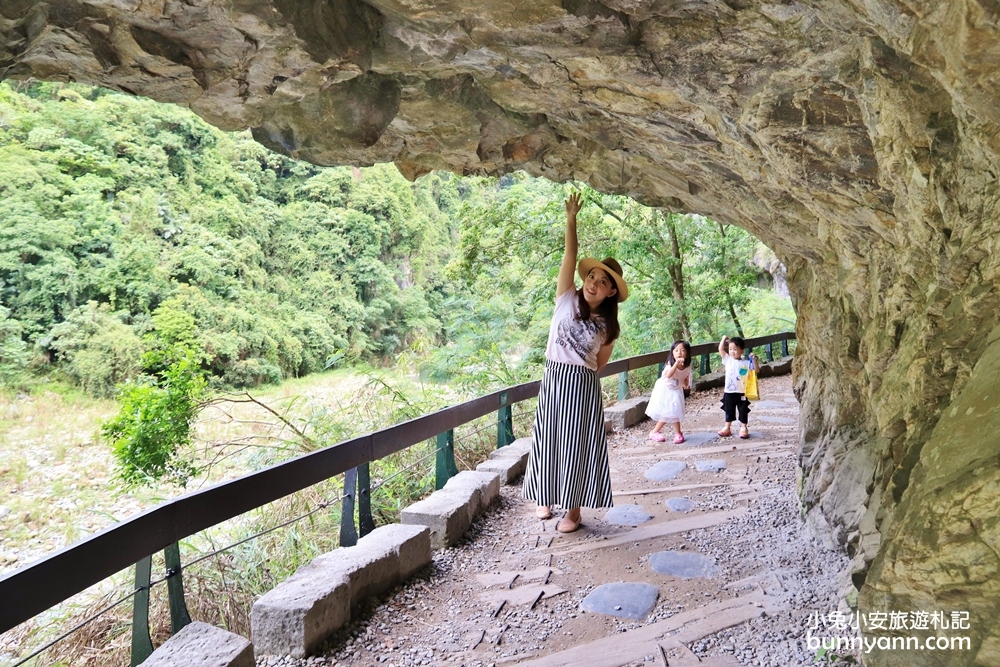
<point x="568" y="463"/>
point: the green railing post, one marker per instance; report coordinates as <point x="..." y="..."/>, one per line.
<point x="784" y="347"/>
<point x="348" y="534"/>
<point x="179" y="616"/>
<point x="659" y="369"/>
<point x="770" y="351"/>
<point x="366" y="523"/>
<point x="444" y="465"/>
<point x="505" y="423"/>
<point x="705" y="369"/>
<point x="142" y="645"/>
<point x="623" y="385"/>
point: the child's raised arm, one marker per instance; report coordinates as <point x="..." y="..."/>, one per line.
<point x="568" y="268"/>
<point x="723" y="346"/>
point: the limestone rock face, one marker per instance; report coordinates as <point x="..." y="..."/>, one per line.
<point x="859" y="140"/>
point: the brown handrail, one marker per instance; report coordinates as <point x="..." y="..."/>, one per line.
<point x="30" y="590"/>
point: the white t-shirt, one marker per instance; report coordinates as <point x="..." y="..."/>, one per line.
<point x="736" y="374"/>
<point x="573" y="341"/>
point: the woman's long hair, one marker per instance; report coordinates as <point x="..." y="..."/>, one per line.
<point x="607" y="311"/>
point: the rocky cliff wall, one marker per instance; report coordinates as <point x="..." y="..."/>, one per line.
<point x="858" y="138"/>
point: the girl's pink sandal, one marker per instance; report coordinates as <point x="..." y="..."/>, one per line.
<point x="656" y="436"/>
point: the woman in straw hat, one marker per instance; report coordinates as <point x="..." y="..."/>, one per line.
<point x="568" y="463"/>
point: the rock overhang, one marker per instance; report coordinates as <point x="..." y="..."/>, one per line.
<point x="860" y="142"/>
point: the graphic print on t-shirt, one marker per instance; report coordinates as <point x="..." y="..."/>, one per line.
<point x="736" y="375"/>
<point x="577" y="335"/>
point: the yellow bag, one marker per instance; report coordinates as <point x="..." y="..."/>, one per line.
<point x="752" y="392"/>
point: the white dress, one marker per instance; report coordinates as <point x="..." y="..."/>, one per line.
<point x="667" y="401"/>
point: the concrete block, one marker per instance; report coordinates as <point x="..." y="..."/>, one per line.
<point x="412" y="545"/>
<point x="368" y="571"/>
<point x="480" y="487"/>
<point x="626" y="413"/>
<point x="609" y="425"/>
<point x="448" y="515"/>
<point x="297" y="615"/>
<point x="203" y="645"/>
<point x="710" y="381"/>
<point x="782" y="366"/>
<point x="517" y="449"/>
<point x="507" y="469"/>
<point x="509" y="462"/>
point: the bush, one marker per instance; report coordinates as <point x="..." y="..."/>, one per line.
<point x="13" y="352"/>
<point x="153" y="427"/>
<point x="101" y="351"/>
<point x="251" y="373"/>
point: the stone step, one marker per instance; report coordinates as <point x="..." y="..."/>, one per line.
<point x="297" y="615"/>
<point x="203" y="645"/>
<point x="508" y="462"/>
<point x="450" y="511"/>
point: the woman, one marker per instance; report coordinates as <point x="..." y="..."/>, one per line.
<point x="568" y="463"/>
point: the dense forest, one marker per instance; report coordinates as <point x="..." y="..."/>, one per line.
<point x="129" y="226"/>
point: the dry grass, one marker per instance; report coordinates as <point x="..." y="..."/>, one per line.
<point x="57" y="483"/>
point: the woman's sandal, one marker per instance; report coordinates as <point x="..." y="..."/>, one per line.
<point x="567" y="525"/>
<point x="543" y="512"/>
<point x="745" y="433"/>
<point x="726" y="433"/>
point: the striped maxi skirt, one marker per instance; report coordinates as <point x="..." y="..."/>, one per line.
<point x="568" y="463"/>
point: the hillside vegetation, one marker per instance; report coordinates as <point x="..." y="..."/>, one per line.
<point x="128" y="225"/>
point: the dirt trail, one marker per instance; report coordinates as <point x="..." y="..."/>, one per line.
<point x="511" y="592"/>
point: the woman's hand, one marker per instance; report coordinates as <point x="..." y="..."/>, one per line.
<point x="573" y="205"/>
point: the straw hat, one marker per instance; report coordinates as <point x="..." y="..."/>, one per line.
<point x="609" y="266"/>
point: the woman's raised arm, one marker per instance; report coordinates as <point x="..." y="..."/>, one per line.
<point x="568" y="268"/>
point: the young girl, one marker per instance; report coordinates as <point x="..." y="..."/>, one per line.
<point x="733" y="399"/>
<point x="568" y="462"/>
<point x="666" y="405"/>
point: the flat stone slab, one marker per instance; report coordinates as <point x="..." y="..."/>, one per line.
<point x="776" y="420"/>
<point x="624" y="600"/>
<point x="627" y="515"/>
<point x="769" y="405"/>
<point x="695" y="439"/>
<point x="679" y="504"/>
<point x="665" y="470"/>
<point x="682" y="564"/>
<point x="713" y="465"/>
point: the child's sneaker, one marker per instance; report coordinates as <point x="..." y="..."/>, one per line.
<point x="656" y="436"/>
<point x="679" y="438"/>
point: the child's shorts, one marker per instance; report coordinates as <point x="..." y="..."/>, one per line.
<point x="733" y="403"/>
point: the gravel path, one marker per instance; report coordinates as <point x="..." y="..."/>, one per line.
<point x="511" y="592"/>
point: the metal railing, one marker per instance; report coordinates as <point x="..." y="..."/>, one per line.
<point x="49" y="581"/>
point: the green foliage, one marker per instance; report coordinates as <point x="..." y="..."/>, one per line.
<point x="153" y="426"/>
<point x="13" y="352"/>
<point x="687" y="276"/>
<point x="118" y="208"/>
<point x="130" y="205"/>
<point x="99" y="349"/>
